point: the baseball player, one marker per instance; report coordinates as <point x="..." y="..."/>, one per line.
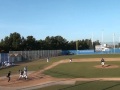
<point x="8" y="75"/>
<point x="102" y="62"/>
<point x="25" y="74"/>
<point x="21" y="74"/>
<point x="70" y="59"/>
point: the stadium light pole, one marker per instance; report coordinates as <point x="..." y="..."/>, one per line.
<point x="119" y="39"/>
<point x="102" y="37"/>
<point x="92" y="38"/>
<point x="114" y="42"/>
<point x="102" y="40"/>
<point x="92" y="42"/>
<point x="119" y="42"/>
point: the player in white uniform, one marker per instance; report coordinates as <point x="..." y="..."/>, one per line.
<point x="48" y="59"/>
<point x="102" y="62"/>
<point x="70" y="59"/>
<point x="25" y="72"/>
<point x="21" y="74"/>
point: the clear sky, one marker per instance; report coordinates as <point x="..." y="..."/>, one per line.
<point x="71" y="19"/>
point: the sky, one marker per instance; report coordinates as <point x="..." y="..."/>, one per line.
<point x="71" y="19"/>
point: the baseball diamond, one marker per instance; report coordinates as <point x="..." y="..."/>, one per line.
<point x="60" y="72"/>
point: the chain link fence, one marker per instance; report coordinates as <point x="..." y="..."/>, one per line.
<point x="36" y="54"/>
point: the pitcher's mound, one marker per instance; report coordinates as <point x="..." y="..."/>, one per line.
<point x="107" y="66"/>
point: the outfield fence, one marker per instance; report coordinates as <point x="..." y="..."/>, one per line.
<point x="36" y="54"/>
<point x="16" y="56"/>
<point x="80" y="52"/>
<point x="3" y="57"/>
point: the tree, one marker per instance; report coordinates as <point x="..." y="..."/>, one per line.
<point x="11" y="42"/>
<point x="30" y="43"/>
<point x="15" y="41"/>
<point x="56" y="42"/>
<point x="72" y="45"/>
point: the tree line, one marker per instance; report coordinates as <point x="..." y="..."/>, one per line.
<point x="16" y="42"/>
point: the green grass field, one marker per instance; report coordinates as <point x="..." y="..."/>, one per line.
<point x="74" y="70"/>
<point x="90" y="85"/>
<point x="40" y="64"/>
<point x="83" y="70"/>
<point x="32" y="65"/>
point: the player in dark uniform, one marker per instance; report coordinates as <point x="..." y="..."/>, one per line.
<point x="8" y="76"/>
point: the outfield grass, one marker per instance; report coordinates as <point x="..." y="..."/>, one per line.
<point x="90" y="85"/>
<point x="74" y="70"/>
<point x="83" y="70"/>
<point x="40" y="64"/>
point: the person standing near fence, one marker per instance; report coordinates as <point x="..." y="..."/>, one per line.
<point x="48" y="59"/>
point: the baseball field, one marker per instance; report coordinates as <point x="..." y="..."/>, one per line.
<point x="83" y="73"/>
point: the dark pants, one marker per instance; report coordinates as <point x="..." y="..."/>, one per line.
<point x="8" y="79"/>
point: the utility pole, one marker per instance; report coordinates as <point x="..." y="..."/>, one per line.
<point x="119" y="42"/>
<point x="102" y="38"/>
<point x="114" y="42"/>
<point x="92" y="39"/>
